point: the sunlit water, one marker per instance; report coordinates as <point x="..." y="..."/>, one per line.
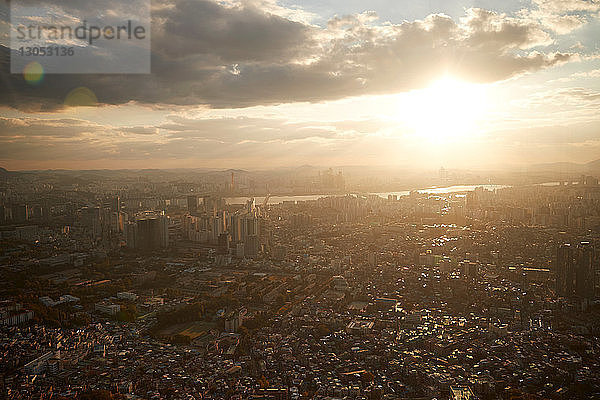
<point x="430" y="190"/>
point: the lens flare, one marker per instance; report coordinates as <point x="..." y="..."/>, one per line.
<point x="33" y="73"/>
<point x="81" y="97"/>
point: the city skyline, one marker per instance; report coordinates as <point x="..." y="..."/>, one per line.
<point x="161" y="285"/>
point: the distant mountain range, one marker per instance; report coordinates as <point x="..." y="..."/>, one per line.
<point x="559" y="168"/>
<point x="592" y="167"/>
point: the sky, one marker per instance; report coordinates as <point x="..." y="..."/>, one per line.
<point x="261" y="84"/>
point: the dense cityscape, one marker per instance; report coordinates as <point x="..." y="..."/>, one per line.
<point x="134" y="285"/>
<point x="300" y="200"/>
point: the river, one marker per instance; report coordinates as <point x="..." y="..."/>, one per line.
<point x="430" y="190"/>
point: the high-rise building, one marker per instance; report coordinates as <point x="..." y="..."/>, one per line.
<point x="470" y="270"/>
<point x="115" y="204"/>
<point x="223" y="243"/>
<point x="243" y="225"/>
<point x="235" y="226"/>
<point x="565" y="271"/>
<point x="233" y="321"/>
<point x="20" y="213"/>
<point x="576" y="271"/>
<point x="148" y="231"/>
<point x="115" y="217"/>
<point x="252" y="246"/>
<point x="192" y="203"/>
<point x="218" y="227"/>
<point x="212" y="204"/>
<point x="585" y="271"/>
<point x="251" y="225"/>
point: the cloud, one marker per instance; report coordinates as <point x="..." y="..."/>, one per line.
<point x="567" y="6"/>
<point x="38" y="139"/>
<point x="226" y="142"/>
<point x="576" y="97"/>
<point x="554" y="135"/>
<point x="267" y="130"/>
<point x="226" y="34"/>
<point x="57" y="128"/>
<point x="497" y="32"/>
<point x="141" y="130"/>
<point x="563" y="16"/>
<point x="238" y="54"/>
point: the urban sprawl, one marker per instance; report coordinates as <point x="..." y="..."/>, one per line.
<point x="130" y="287"/>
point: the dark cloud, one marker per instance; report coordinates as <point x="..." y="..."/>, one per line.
<point x="233" y="55"/>
<point x="228" y="34"/>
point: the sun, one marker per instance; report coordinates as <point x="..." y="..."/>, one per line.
<point x="448" y="109"/>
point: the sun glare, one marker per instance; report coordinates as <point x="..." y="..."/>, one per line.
<point x="446" y="110"/>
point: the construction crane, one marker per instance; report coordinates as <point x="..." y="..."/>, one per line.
<point x="265" y="201"/>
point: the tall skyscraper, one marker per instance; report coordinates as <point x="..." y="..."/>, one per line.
<point x="116" y="221"/>
<point x="148" y="232"/>
<point x="192" y="203"/>
<point x="565" y="271"/>
<point x="576" y="271"/>
<point x="585" y="271"/>
<point x="115" y="204"/>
